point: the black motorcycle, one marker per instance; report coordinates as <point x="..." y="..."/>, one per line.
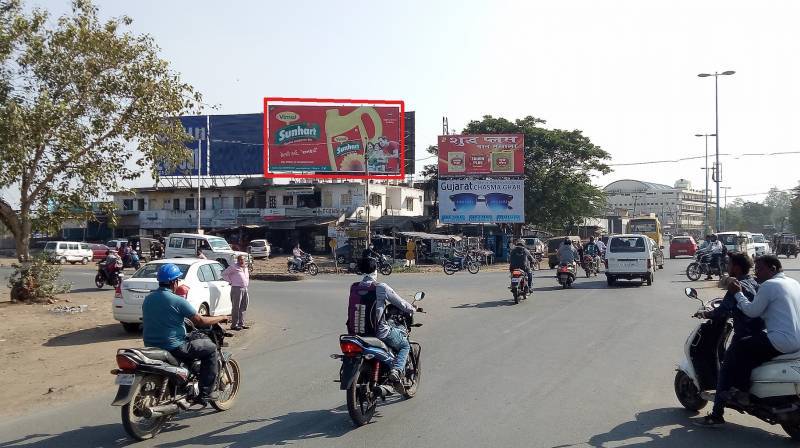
<point x="104" y="278"/>
<point x="703" y="266"/>
<point x="306" y="265"/>
<point x="469" y="262"/>
<point x="154" y="386"/>
<point x="364" y="374"/>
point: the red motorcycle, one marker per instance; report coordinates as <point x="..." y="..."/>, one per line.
<point x="519" y="285"/>
<point x="566" y="275"/>
<point x="590" y="265"/>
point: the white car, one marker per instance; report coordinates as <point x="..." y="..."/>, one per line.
<point x="761" y="244"/>
<point x="208" y="293"/>
<point x="630" y="257"/>
<point x="259" y="249"/>
<point x="68" y="251"/>
<point x="185" y="245"/>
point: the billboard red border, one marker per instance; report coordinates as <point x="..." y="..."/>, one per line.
<point x="284" y="175"/>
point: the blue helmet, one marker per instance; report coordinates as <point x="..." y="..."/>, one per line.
<point x="168" y="272"/>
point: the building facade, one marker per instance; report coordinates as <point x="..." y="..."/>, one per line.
<point x="679" y="208"/>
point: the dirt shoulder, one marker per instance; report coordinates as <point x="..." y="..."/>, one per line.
<point x="277" y="265"/>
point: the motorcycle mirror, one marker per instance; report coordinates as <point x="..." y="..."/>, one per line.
<point x="419" y="296"/>
<point x="691" y="293"/>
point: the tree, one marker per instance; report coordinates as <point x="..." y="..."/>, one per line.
<point x="77" y="100"/>
<point x="779" y="203"/>
<point x="794" y="211"/>
<point x="559" y="165"/>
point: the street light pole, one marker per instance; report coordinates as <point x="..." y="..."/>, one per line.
<point x="716" y="127"/>
<point x="705" y="222"/>
<point x="725" y="222"/>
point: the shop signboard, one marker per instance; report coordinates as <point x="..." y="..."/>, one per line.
<point x="482" y="155"/>
<point x="466" y="201"/>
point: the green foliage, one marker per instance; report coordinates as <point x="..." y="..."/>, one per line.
<point x="794" y="211"/>
<point x="36" y="281"/>
<point x="754" y="216"/>
<point x="80" y="97"/>
<point x="559" y="166"/>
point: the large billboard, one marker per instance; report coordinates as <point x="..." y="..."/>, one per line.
<point x="197" y="127"/>
<point x="482" y="155"/>
<point x="334" y="140"/>
<point x="237" y="145"/>
<point x="466" y="201"/>
<point x="410" y="143"/>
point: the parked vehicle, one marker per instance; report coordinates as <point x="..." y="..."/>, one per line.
<point x="786" y="244"/>
<point x="185" y="245"/>
<point x="99" y="251"/>
<point x="702" y="266"/>
<point x="760" y="244"/>
<point x="738" y="242"/>
<point x="366" y="362"/>
<point x="117" y="244"/>
<point x="259" y="249"/>
<point x="103" y="277"/>
<point x="143" y="245"/>
<point x="36" y="248"/>
<point x="682" y="246"/>
<point x="306" y="265"/>
<point x="552" y="248"/>
<point x="630" y="257"/>
<point x="566" y="274"/>
<point x="208" y="292"/>
<point x="774" y="384"/>
<point x="154" y="386"/>
<point x="68" y="251"/>
<point x="453" y="265"/>
<point x="519" y="285"/>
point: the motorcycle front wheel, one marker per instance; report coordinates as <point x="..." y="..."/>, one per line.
<point x="413" y="370"/>
<point x="99" y="280"/>
<point x="386" y="269"/>
<point x="473" y="267"/>
<point x="687" y="392"/>
<point x="230" y="381"/>
<point x="361" y="402"/>
<point x="144" y="396"/>
<point x="693" y="272"/>
<point x="313" y="269"/>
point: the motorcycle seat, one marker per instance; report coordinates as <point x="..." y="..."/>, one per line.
<point x="786" y="357"/>
<point x="157" y="354"/>
<point x="373" y="342"/>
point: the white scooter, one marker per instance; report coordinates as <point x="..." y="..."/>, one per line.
<point x="775" y="385"/>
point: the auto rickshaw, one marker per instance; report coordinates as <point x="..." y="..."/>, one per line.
<point x="786" y="244"/>
<point x="552" y="248"/>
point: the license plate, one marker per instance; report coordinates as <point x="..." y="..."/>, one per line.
<point x="124" y="379"/>
<point x="515" y="280"/>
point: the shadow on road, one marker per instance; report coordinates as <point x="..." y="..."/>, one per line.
<point x="92" y="289"/>
<point x="286" y="429"/>
<point x="88" y="436"/>
<point x="103" y="333"/>
<point x="672" y="427"/>
<point x="493" y="304"/>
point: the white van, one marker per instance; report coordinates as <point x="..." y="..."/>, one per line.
<point x="761" y="244"/>
<point x="738" y="242"/>
<point x="68" y="251"/>
<point x="185" y="245"/>
<point x="630" y="257"/>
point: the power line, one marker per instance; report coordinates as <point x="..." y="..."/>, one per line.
<point x="683" y="159"/>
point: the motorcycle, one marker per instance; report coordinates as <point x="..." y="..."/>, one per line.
<point x="154" y="386"/>
<point x="104" y="278"/>
<point x="519" y="285"/>
<point x="566" y="275"/>
<point x="383" y="262"/>
<point x="591" y="265"/>
<point x="702" y="266"/>
<point x="774" y="384"/>
<point x="537" y="261"/>
<point x="366" y="363"/>
<point x="453" y="265"/>
<point x="306" y="265"/>
<point x="131" y="260"/>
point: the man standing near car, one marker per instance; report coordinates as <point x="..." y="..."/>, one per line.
<point x="239" y="278"/>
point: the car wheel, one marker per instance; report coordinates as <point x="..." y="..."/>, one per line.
<point x="131" y="327"/>
<point x="85" y="260"/>
<point x="610" y="280"/>
<point x="62" y="260"/>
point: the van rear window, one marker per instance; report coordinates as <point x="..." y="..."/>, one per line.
<point x="627" y="244"/>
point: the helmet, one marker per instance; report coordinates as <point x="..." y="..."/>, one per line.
<point x="167" y="273"/>
<point x="520" y="242"/>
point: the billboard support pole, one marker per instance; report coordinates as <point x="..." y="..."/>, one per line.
<point x="366" y="197"/>
<point x="199" y="162"/>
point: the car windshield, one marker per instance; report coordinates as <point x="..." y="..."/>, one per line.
<point x="627" y="244"/>
<point x="728" y="240"/>
<point x="150" y="269"/>
<point x="257" y="243"/>
<point x="218" y="244"/>
<point x="643" y="227"/>
<point x="758" y="238"/>
<point x="50" y="247"/>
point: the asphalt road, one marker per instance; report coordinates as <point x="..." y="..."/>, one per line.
<point x="589" y="366"/>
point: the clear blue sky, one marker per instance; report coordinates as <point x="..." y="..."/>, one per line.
<point x="624" y="72"/>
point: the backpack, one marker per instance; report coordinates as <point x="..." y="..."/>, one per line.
<point x="360" y="309"/>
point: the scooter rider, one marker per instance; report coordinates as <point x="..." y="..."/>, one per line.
<point x="778" y="303"/>
<point x="567" y="254"/>
<point x="743" y="326"/>
<point x="163" y="312"/>
<point x="113" y="263"/>
<point x="520" y="258"/>
<point x="395" y="337"/>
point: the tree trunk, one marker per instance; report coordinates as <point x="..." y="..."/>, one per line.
<point x="22" y="241"/>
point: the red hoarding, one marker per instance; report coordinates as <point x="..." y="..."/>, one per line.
<point x="334" y="140"/>
<point x="482" y="154"/>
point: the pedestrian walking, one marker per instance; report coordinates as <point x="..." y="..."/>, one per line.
<point x="239" y="277"/>
<point x="411" y="252"/>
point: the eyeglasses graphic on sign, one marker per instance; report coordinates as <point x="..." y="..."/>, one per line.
<point x="494" y="201"/>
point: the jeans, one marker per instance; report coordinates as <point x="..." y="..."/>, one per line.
<point x="723" y="379"/>
<point x="397" y="340"/>
<point x="716" y="262"/>
<point x="199" y="346"/>
<point x="741" y="358"/>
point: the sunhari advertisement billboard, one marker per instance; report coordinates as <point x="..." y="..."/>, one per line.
<point x="466" y="201"/>
<point x="482" y="154"/>
<point x="334" y="139"/>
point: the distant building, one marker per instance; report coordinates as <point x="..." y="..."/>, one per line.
<point x="679" y="208"/>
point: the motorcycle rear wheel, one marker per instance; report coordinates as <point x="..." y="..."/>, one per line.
<point x="473" y="267"/>
<point x="693" y="272"/>
<point x="361" y="403"/>
<point x="516" y="296"/>
<point x="313" y="269"/>
<point x="231" y="387"/>
<point x="137" y="426"/>
<point x="386" y="269"/>
<point x="449" y="269"/>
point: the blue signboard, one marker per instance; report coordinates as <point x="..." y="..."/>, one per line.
<point x="196" y="126"/>
<point x="237" y="145"/>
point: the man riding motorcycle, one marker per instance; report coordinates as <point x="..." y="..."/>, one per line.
<point x="163" y="312"/>
<point x="113" y="263"/>
<point x="521" y="258"/>
<point x="298" y="254"/>
<point x="395" y="337"/>
<point x="567" y="254"/>
<point x="743" y="326"/>
<point x="716" y="249"/>
<point x="593" y="250"/>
